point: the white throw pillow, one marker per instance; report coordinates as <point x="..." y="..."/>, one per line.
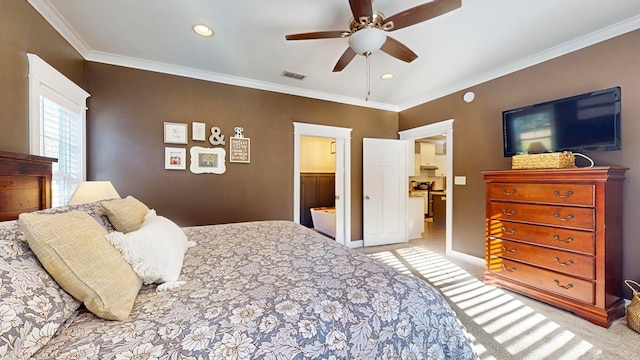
<point x="155" y="251"/>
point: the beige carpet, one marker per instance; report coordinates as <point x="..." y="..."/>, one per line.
<point x="505" y="325"/>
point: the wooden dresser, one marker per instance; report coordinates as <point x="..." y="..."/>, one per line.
<point x="556" y="235"/>
<point x="25" y="183"/>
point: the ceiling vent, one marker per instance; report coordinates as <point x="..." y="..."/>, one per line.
<point x="293" y="75"/>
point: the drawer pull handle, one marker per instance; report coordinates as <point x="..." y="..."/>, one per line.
<point x="504" y="191"/>
<point x="568" y="241"/>
<point x="557" y="216"/>
<point x="557" y="193"/>
<point x="509" y="213"/>
<point x="504" y="267"/>
<point x="504" y="229"/>
<point x="566" y="287"/>
<point x="504" y="248"/>
<point x="567" y="263"/>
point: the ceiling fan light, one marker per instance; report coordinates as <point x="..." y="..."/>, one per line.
<point x="367" y="41"/>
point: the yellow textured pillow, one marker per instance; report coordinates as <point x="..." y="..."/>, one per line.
<point x="126" y="214"/>
<point x="72" y="247"/>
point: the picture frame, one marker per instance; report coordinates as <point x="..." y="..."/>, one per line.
<point x="207" y="160"/>
<point x="175" y="158"/>
<point x="198" y="131"/>
<point x="239" y="150"/>
<point x="175" y="133"/>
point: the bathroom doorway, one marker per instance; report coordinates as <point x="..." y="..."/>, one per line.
<point x="317" y="184"/>
<point x="342" y="137"/>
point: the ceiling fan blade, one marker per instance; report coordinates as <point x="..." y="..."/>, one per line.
<point x="398" y="50"/>
<point x="361" y="9"/>
<point x="319" y="35"/>
<point x="345" y="59"/>
<point x="420" y="13"/>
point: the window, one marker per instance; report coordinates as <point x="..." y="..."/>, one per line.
<point x="57" y="114"/>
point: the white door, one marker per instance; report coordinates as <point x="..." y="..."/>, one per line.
<point x="385" y="191"/>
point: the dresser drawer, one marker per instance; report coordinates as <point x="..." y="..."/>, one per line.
<point x="562" y="216"/>
<point x="569" y="194"/>
<point x="561" y="261"/>
<point x="558" y="238"/>
<point x="547" y="280"/>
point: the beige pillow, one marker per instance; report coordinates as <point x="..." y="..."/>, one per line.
<point x="72" y="247"/>
<point x="126" y="214"/>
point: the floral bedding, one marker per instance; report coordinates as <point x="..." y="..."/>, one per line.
<point x="263" y="290"/>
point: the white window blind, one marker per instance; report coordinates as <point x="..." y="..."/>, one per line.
<point x="61" y="138"/>
<point x="57" y="126"/>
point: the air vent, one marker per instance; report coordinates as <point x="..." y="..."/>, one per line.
<point x="293" y="75"/>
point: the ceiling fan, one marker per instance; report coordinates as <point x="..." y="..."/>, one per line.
<point x="368" y="28"/>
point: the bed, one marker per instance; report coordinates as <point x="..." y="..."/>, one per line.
<point x="253" y="290"/>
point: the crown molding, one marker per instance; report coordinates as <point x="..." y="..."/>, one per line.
<point x="52" y="16"/>
<point x="136" y="63"/>
<point x="551" y="53"/>
<point x="56" y="20"/>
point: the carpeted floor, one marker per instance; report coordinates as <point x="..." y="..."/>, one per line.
<point x="503" y="324"/>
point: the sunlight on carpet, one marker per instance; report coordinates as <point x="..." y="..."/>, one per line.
<point x="507" y="325"/>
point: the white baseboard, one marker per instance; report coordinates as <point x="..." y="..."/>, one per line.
<point x="466" y="258"/>
<point x="355" y="243"/>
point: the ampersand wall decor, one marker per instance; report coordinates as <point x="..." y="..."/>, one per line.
<point x="216" y="137"/>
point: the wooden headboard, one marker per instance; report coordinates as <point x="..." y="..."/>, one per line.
<point x="25" y="184"/>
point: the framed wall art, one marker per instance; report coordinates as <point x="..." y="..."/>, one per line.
<point x="175" y="158"/>
<point x="198" y="131"/>
<point x="207" y="160"/>
<point x="239" y="150"/>
<point x="175" y="133"/>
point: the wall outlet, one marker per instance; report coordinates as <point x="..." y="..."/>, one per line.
<point x="460" y="180"/>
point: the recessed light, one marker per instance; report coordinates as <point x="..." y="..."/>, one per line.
<point x="387" y="76"/>
<point x="202" y="30"/>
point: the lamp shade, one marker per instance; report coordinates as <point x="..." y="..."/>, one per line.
<point x="91" y="191"/>
<point x="367" y="41"/>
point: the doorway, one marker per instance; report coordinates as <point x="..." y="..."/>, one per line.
<point x="342" y="138"/>
<point x="429" y="131"/>
<point x="317" y="184"/>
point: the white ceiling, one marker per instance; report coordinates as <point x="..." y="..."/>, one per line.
<point x="482" y="40"/>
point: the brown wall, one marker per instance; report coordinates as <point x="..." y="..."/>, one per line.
<point x="127" y="109"/>
<point x="22" y="31"/>
<point x="478" y="130"/>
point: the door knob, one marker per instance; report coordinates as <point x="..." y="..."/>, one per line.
<point x="337" y="197"/>
<point x="366" y="197"/>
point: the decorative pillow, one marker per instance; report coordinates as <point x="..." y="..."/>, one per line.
<point x="73" y="249"/>
<point x="94" y="209"/>
<point x="32" y="304"/>
<point x="155" y="251"/>
<point x="126" y="214"/>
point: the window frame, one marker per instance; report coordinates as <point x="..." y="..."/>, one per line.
<point x="45" y="80"/>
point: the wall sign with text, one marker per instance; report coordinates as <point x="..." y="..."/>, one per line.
<point x="239" y="150"/>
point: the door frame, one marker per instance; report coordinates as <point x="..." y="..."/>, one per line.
<point x="343" y="174"/>
<point x="442" y="127"/>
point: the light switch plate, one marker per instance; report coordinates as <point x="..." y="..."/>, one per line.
<point x="460" y="180"/>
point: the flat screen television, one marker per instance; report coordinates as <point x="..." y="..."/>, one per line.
<point x="578" y="123"/>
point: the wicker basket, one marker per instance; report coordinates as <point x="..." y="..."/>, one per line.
<point x="633" y="310"/>
<point x="558" y="160"/>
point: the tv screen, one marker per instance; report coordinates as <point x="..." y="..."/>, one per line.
<point x="578" y="123"/>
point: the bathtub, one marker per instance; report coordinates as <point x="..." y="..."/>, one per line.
<point x="324" y="220"/>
